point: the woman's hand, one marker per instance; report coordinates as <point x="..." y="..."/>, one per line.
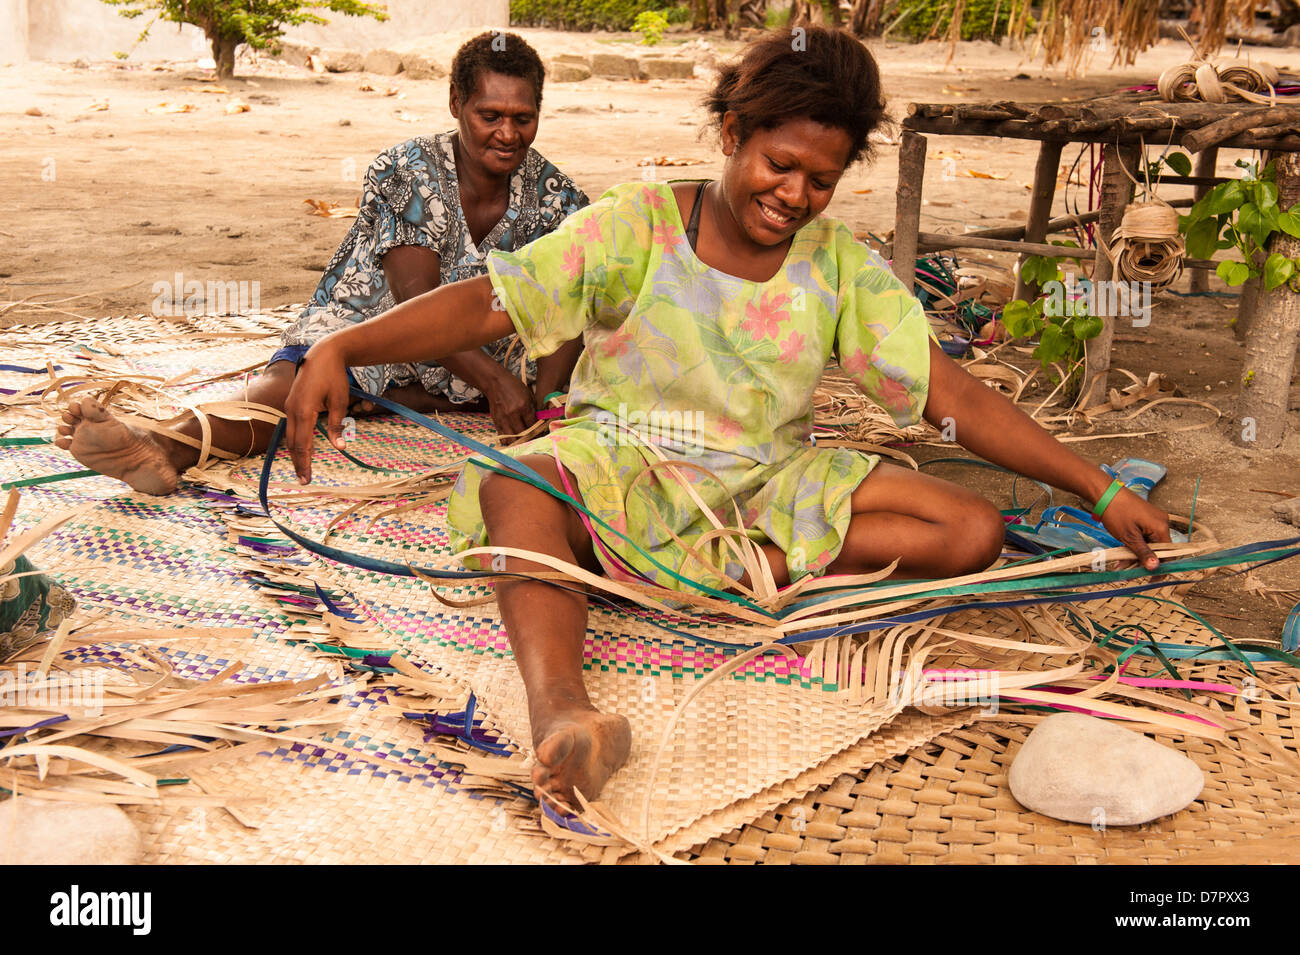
<point x="511" y="404"/>
<point x="321" y="384"/>
<point x="1135" y="522"/>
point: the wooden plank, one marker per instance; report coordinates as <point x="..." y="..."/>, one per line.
<point x="1040" y="207"/>
<point x="1119" y="168"/>
<point x="1207" y="161"/>
<point x="936" y="241"/>
<point x="907" y="208"/>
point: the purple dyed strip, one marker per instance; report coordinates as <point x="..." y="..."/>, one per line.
<point x="572" y="823"/>
<point x="35" y="726"/>
<point x="263" y="548"/>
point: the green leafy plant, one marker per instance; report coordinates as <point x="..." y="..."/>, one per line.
<point x="980" y="19"/>
<point x="592" y="14"/>
<point x="228" y="23"/>
<point x="1060" y="323"/>
<point x="651" y="24"/>
<point x="1180" y="163"/>
<point x="1243" y="214"/>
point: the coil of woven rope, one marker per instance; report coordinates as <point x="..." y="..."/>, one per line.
<point x="1147" y="246"/>
<point x="1219" y="82"/>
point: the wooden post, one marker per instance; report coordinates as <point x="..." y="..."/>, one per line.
<point x="1206" y="162"/>
<point x="907" y="207"/>
<point x="1116" y="193"/>
<point x="1040" y="207"/>
<point x="1271" y="341"/>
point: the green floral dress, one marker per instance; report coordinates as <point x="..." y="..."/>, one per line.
<point x="707" y="368"/>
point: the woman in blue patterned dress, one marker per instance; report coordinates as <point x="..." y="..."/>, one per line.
<point x="432" y="209"/>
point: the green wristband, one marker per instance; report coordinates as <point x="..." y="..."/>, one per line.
<point x="1103" y="502"/>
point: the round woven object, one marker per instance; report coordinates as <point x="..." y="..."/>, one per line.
<point x="1147" y="246"/>
<point x="1218" y="82"/>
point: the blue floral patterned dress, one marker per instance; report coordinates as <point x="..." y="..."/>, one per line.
<point x="411" y="196"/>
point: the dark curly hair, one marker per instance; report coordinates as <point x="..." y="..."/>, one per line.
<point x="824" y="75"/>
<point x="496" y="52"/>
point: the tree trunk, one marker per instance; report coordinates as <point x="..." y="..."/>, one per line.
<point x="728" y="12"/>
<point x="1246" y="305"/>
<point x="223" y="51"/>
<point x="754" y="13"/>
<point x="807" y="13"/>
<point x="1271" y="340"/>
<point x="702" y="15"/>
<point x="865" y="18"/>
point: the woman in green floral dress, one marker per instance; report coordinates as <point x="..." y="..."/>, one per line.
<point x="708" y="311"/>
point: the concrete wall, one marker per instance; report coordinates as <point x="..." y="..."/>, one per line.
<point x="68" y="29"/>
<point x="13" y="31"/>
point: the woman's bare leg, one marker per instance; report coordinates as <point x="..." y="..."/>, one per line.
<point x="934" y="528"/>
<point x="152" y="462"/>
<point x="577" y="746"/>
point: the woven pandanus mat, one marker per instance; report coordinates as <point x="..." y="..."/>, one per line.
<point x="947" y="802"/>
<point x="370" y="791"/>
<point x="700" y="761"/>
<point x="178" y="355"/>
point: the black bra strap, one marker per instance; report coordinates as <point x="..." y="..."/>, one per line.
<point x="693" y="227"/>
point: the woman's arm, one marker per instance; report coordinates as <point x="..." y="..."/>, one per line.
<point x="412" y="270"/>
<point x="994" y="428"/>
<point x="555" y="369"/>
<point x="450" y="319"/>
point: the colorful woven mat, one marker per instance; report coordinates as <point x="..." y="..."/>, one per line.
<point x="378" y="789"/>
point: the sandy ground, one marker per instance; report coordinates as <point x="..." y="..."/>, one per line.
<point x="110" y="201"/>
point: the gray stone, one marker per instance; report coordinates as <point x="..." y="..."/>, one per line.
<point x="613" y="66"/>
<point x="341" y="61"/>
<point x="567" y="72"/>
<point x="39" y="832"/>
<point x="383" y="62"/>
<point x="1083" y="769"/>
<point x="572" y="59"/>
<point x="296" y="54"/>
<point x="1288" y="510"/>
<point x="667" y="68"/>
<point x="417" y="66"/>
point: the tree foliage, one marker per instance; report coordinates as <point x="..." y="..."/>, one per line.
<point x="228" y="23"/>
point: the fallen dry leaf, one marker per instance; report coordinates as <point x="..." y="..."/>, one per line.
<point x="976" y="174"/>
<point x="366" y="88"/>
<point x="406" y="117"/>
<point x="237" y="105"/>
<point x="33" y="111"/>
<point x="669" y="161"/>
<point x="860" y="192"/>
<point x="172" y="108"/>
<point x="204" y="89"/>
<point x="331" y="210"/>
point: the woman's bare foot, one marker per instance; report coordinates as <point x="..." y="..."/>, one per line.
<point x="104" y="444"/>
<point x="578" y="749"/>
